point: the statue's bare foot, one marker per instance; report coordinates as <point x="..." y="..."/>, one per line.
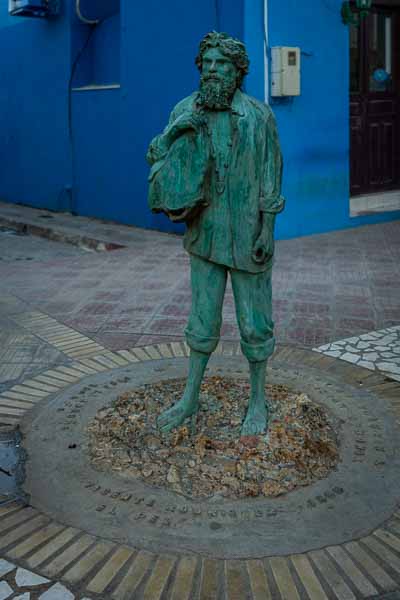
<point x="256" y="421"/>
<point x="174" y="416"/>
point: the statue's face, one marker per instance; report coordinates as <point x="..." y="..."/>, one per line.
<point x="219" y="80"/>
<point x="215" y="64"/>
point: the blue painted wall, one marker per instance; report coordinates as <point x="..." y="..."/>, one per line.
<point x="34" y="71"/>
<point x="66" y="149"/>
<point x="112" y="128"/>
<point x="158" y="45"/>
<point x="97" y="51"/>
<point x="314" y="127"/>
<point x="254" y="36"/>
<point x="97" y="160"/>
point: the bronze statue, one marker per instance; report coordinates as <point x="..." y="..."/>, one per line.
<point x="218" y="167"/>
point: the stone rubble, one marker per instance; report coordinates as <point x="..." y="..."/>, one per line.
<point x="206" y="457"/>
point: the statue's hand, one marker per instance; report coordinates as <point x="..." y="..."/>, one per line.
<point x="263" y="249"/>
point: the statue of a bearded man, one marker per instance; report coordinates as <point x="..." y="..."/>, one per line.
<point x="218" y="167"/>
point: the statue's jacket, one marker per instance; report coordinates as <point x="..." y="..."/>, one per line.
<point x="223" y="177"/>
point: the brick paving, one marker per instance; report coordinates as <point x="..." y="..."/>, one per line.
<point x="326" y="287"/>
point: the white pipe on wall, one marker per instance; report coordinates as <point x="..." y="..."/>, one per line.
<point x="266" y="49"/>
<point x="81" y="17"/>
<point x="388" y="44"/>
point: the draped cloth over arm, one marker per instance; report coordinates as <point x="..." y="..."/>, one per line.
<point x="179" y="180"/>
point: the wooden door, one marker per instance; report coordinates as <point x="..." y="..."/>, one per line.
<point x="375" y="102"/>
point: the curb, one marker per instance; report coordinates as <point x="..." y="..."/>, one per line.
<point x="55" y="235"/>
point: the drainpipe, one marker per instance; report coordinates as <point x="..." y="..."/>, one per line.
<point x="266" y="53"/>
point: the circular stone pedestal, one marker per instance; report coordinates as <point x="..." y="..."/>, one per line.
<point x="359" y="495"/>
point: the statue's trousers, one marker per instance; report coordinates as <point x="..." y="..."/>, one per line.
<point x="253" y="302"/>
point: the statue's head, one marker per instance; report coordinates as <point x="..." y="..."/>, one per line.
<point x="223" y="64"/>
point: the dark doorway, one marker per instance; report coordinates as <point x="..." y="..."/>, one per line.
<point x="375" y="101"/>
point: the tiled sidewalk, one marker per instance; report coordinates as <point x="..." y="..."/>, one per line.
<point x="326" y="287"/>
<point x="376" y="350"/>
<point x="16" y="580"/>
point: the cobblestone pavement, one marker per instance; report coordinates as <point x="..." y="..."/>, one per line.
<point x="22" y="584"/>
<point x="376" y="350"/>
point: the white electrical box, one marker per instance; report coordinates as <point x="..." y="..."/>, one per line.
<point x="285" y="71"/>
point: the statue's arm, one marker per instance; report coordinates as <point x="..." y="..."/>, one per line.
<point x="271" y="201"/>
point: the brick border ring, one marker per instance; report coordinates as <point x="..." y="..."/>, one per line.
<point x="356" y="497"/>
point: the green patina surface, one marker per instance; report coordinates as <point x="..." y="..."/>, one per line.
<point x="217" y="166"/>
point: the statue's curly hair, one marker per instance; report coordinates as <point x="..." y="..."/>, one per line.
<point x="231" y="47"/>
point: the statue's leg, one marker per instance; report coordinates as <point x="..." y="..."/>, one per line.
<point x="189" y="403"/>
<point x="208" y="281"/>
<point x="253" y="300"/>
<point x="256" y="420"/>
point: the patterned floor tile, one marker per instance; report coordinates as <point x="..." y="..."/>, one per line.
<point x="376" y="350"/>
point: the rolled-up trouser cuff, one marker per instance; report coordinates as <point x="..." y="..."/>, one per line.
<point x="258" y="352"/>
<point x="200" y="343"/>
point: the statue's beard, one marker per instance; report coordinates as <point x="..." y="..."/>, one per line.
<point x="216" y="93"/>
